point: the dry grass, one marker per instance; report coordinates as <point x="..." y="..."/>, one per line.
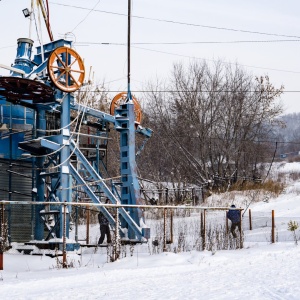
<point x="270" y="186"/>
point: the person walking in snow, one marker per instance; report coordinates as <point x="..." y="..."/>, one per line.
<point x="234" y="215"/>
<point x="104" y="228"/>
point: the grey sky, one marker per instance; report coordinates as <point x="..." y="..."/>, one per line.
<point x="149" y="61"/>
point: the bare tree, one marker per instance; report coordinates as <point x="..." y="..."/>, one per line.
<point x="210" y="121"/>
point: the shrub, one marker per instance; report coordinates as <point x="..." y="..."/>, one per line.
<point x="293" y="226"/>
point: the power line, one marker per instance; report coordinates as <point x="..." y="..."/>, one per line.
<point x="193" y="57"/>
<point x="187" y="56"/>
<point x="276" y="142"/>
<point x="7" y="47"/>
<point x="180" y="23"/>
<point x="90" y="11"/>
<point x="188" y="91"/>
<point x="186" y="43"/>
<point x="229" y="63"/>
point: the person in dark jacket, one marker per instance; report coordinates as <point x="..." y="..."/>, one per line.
<point x="234" y="215"/>
<point x="104" y="228"/>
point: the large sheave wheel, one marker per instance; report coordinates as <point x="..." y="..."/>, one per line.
<point x="66" y="69"/>
<point x="120" y="99"/>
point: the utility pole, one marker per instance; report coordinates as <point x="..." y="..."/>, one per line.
<point x="128" y="51"/>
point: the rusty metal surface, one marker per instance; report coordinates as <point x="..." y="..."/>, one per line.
<point x="16" y="89"/>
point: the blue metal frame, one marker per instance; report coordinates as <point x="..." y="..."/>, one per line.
<point x="61" y="183"/>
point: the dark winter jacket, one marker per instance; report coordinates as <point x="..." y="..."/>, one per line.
<point x="102" y="219"/>
<point x="234" y="216"/>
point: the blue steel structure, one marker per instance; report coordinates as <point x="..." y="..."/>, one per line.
<point x="25" y="98"/>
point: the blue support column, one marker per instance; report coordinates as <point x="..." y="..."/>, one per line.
<point x="130" y="191"/>
<point x="40" y="185"/>
<point x="65" y="188"/>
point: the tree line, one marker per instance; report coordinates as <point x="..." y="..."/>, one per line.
<point x="209" y="122"/>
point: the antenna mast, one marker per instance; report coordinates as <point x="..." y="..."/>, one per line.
<point x="129" y="98"/>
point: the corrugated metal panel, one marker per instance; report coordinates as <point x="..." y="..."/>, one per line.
<point x="20" y="215"/>
<point x="4" y="179"/>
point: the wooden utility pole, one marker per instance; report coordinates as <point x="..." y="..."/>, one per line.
<point x="273" y="226"/>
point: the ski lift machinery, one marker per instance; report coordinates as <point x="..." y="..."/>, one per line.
<point x="45" y="84"/>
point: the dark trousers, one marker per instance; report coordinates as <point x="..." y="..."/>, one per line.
<point x="104" y="230"/>
<point x="233" y="227"/>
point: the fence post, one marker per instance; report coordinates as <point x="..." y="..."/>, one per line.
<point x="273" y="226"/>
<point x="64" y="237"/>
<point x="171" y="226"/>
<point x="227" y="225"/>
<point x="1" y="236"/>
<point x="250" y="219"/>
<point x="165" y="231"/>
<point x="87" y="225"/>
<point x="203" y="229"/>
<point x="116" y="246"/>
<point x="167" y="196"/>
<point x="193" y="196"/>
<point x="203" y="196"/>
<point x="240" y="229"/>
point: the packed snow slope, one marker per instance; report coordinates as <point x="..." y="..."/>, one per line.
<point x="260" y="270"/>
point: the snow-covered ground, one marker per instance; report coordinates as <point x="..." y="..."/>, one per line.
<point x="260" y="270"/>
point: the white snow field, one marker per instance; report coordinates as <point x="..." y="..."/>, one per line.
<point x="260" y="270"/>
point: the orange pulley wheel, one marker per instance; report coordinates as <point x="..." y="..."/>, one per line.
<point x="66" y="69"/>
<point x="120" y="99"/>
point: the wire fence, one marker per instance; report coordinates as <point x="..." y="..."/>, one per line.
<point x="177" y="228"/>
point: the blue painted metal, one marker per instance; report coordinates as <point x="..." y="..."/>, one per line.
<point x="133" y="225"/>
<point x="61" y="183"/>
<point x="129" y="189"/>
<point x="40" y="182"/>
<point x="23" y="58"/>
<point x="64" y="189"/>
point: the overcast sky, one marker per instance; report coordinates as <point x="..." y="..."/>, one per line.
<point x="189" y="22"/>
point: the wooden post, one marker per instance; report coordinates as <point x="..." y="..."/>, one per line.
<point x="167" y="196"/>
<point x="171" y="226"/>
<point x="117" y="246"/>
<point x="203" y="229"/>
<point x="240" y="229"/>
<point x="227" y="226"/>
<point x="201" y="225"/>
<point x="250" y="220"/>
<point x="273" y="226"/>
<point x="165" y="230"/>
<point x="64" y="237"/>
<point x="193" y="196"/>
<point x="87" y="225"/>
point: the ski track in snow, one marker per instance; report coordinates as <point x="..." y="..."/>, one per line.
<point x="265" y="272"/>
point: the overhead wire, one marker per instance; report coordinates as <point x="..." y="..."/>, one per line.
<point x="86" y="16"/>
<point x="194" y="57"/>
<point x="188" y="43"/>
<point x="81" y="113"/>
<point x="5" y="47"/>
<point x="205" y="59"/>
<point x="181" y="23"/>
<point x="193" y="91"/>
<point x="191" y="24"/>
